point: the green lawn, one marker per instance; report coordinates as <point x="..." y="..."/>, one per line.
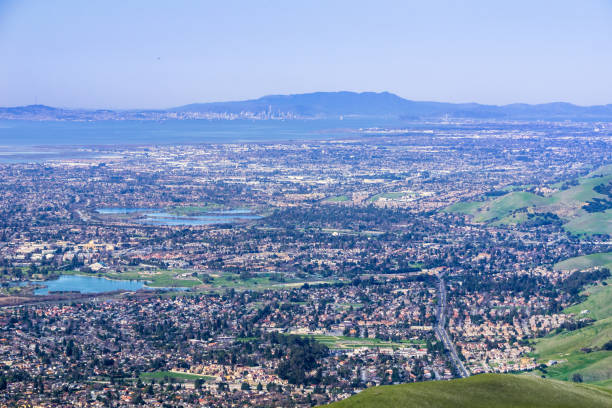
<point x="158" y="279"/>
<point x="343" y="342"/>
<point x="337" y="199"/>
<point x="260" y="281"/>
<point x="482" y="391"/>
<point x="346" y="306"/>
<point x="246" y="339"/>
<point x="165" y="375"/>
<point x="391" y="195"/>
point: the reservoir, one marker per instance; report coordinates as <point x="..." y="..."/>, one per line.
<point x="154" y="216"/>
<point x="87" y="284"/>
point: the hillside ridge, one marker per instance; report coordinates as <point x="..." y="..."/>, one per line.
<point x="322" y="105"/>
<point x="482" y="391"/>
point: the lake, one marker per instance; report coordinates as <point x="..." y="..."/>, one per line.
<point x="87" y="284"/>
<point x="153" y="216"/>
<point x="125" y="210"/>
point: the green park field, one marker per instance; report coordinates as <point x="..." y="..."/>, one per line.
<point x="173" y="375"/>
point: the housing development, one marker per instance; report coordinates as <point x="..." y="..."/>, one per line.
<point x="298" y="273"/>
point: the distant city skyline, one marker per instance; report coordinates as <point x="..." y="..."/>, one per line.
<point x="155" y="54"/>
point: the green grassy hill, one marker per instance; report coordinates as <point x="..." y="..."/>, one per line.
<point x="514" y="207"/>
<point x="567" y="348"/>
<point x="595" y="223"/>
<point x="504" y="205"/>
<point x="580" y="351"/>
<point x="482" y="391"/>
<point x="603" y="259"/>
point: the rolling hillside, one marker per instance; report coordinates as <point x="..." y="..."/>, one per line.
<point x="582" y="351"/>
<point x="603" y="259"/>
<point x="482" y="391"/>
<point x="568" y="204"/>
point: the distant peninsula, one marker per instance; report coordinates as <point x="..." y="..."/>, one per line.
<point x="322" y="105"/>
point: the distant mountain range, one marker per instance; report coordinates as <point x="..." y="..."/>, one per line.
<point x="324" y="105"/>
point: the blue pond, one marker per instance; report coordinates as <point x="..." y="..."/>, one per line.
<point x="87" y="284"/>
<point x="124" y="210"/>
<point x="152" y="216"/>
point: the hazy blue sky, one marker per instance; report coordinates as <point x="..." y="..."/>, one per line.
<point x="124" y="54"/>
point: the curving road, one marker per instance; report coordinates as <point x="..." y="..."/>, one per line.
<point x="441" y="333"/>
